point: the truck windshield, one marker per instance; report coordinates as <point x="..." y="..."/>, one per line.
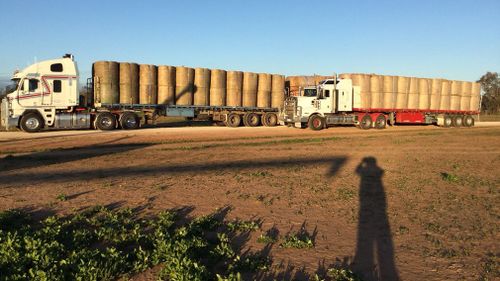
<point x="12" y="86"/>
<point x="310" y="92"/>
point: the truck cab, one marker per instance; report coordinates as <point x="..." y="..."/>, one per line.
<point x="41" y="95"/>
<point x="327" y="103"/>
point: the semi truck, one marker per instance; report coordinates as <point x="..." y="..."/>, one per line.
<point x="46" y="95"/>
<point x="338" y="101"/>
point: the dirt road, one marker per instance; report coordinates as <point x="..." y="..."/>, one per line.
<point x="424" y="198"/>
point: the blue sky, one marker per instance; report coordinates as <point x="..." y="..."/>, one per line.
<point x="448" y="39"/>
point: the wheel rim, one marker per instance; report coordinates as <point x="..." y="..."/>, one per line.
<point x="233" y="120"/>
<point x="447" y="121"/>
<point x="106" y="122"/>
<point x="254" y="120"/>
<point x="316" y="122"/>
<point x="131" y="122"/>
<point x="32" y="123"/>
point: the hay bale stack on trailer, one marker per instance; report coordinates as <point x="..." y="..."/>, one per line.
<point x="166" y="84"/>
<point x="264" y="90"/>
<point x="277" y="90"/>
<point x="234" y="88"/>
<point x="201" y="89"/>
<point x="184" y="83"/>
<point x="148" y="84"/>
<point x="129" y="83"/>
<point x="250" y="81"/>
<point x="218" y="87"/>
<point x="106" y="81"/>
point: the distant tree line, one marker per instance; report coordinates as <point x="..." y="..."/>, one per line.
<point x="490" y="84"/>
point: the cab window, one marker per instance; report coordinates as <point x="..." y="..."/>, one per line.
<point x="56" y="67"/>
<point x="309" y="92"/>
<point x="33" y="85"/>
<point x="57" y="86"/>
<point x="327" y="93"/>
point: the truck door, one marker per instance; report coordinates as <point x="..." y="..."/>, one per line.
<point x="30" y="93"/>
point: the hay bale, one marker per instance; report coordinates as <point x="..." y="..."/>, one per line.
<point x="250" y="81"/>
<point x="362" y="81"/>
<point x="218" y="87"/>
<point x="445" y="100"/>
<point x="475" y="96"/>
<point x="424" y="93"/>
<point x="184" y="84"/>
<point x="234" y="88"/>
<point x="465" y="97"/>
<point x="107" y="86"/>
<point x="201" y="95"/>
<point x="129" y="83"/>
<point x="390" y="88"/>
<point x="264" y="90"/>
<point x="166" y="84"/>
<point x="376" y="90"/>
<point x="435" y="94"/>
<point x="148" y="84"/>
<point x="456" y="93"/>
<point x="413" y="94"/>
<point x="277" y="91"/>
<point x="403" y="91"/>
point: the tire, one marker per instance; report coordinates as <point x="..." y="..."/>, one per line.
<point x="251" y="120"/>
<point x="233" y="120"/>
<point x="366" y="122"/>
<point x="380" y="122"/>
<point x="458" y="121"/>
<point x="105" y="121"/>
<point x="31" y="122"/>
<point x="316" y="123"/>
<point x="448" y="121"/>
<point x="129" y="121"/>
<point x="468" y="121"/>
<point x="269" y="119"/>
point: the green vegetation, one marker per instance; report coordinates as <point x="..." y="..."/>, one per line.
<point x="102" y="244"/>
<point x="339" y="274"/>
<point x="240" y="225"/>
<point x="62" y="197"/>
<point x="298" y="240"/>
<point x="449" y="177"/>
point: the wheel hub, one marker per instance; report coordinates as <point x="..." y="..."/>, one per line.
<point x="32" y="123"/>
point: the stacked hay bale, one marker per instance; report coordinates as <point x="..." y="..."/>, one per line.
<point x="390" y="89"/>
<point x="424" y="94"/>
<point x="363" y="81"/>
<point x="456" y="93"/>
<point x="465" y="96"/>
<point x="234" y="87"/>
<point x="445" y="100"/>
<point x="264" y="90"/>
<point x="201" y="95"/>
<point x="166" y="84"/>
<point x="218" y="87"/>
<point x="107" y="81"/>
<point x="435" y="94"/>
<point x="475" y="97"/>
<point x="184" y="81"/>
<point x="413" y="94"/>
<point x="250" y="81"/>
<point x="148" y="84"/>
<point x="277" y="90"/>
<point x="129" y="83"/>
<point x="402" y="94"/>
<point x="376" y="89"/>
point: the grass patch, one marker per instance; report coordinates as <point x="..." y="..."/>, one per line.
<point x="62" y="197"/>
<point x="449" y="177"/>
<point x="345" y="194"/>
<point x="241" y="225"/>
<point x="300" y="240"/>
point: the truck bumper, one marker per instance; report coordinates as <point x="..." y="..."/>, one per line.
<point x="6" y="120"/>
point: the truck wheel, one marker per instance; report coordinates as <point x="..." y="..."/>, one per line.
<point x="251" y="120"/>
<point x="233" y="120"/>
<point x="366" y="122"/>
<point x="468" y="121"/>
<point x="31" y="122"/>
<point x="457" y="121"/>
<point x="269" y="119"/>
<point x="129" y="121"/>
<point x="447" y="121"/>
<point x="316" y="123"/>
<point x="380" y="122"/>
<point x="105" y="121"/>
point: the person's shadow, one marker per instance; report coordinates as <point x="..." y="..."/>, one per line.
<point x="374" y="257"/>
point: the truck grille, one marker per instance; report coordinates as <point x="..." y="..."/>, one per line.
<point x="290" y="108"/>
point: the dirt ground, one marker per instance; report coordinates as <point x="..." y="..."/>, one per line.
<point x="414" y="202"/>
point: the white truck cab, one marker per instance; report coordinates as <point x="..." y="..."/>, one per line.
<point x="326" y="103"/>
<point x="44" y="94"/>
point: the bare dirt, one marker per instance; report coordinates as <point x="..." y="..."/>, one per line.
<point x="414" y="202"/>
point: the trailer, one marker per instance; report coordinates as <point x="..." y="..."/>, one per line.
<point x="46" y="96"/>
<point x="338" y="101"/>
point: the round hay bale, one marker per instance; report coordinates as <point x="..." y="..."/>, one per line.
<point x="107" y="82"/>
<point x="456" y="92"/>
<point x="390" y="88"/>
<point x="363" y="81"/>
<point x="250" y="81"/>
<point x="166" y="84"/>
<point x="376" y="89"/>
<point x="413" y="95"/>
<point x="445" y="99"/>
<point x="217" y="87"/>
<point x="424" y="94"/>
<point x="264" y="90"/>
<point x="403" y="91"/>
<point x="277" y="91"/>
<point x="475" y="96"/>
<point x="435" y="93"/>
<point x="129" y="83"/>
<point x="148" y="84"/>
<point x="184" y="84"/>
<point x="201" y="95"/>
<point x="465" y="99"/>
<point x="234" y="88"/>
